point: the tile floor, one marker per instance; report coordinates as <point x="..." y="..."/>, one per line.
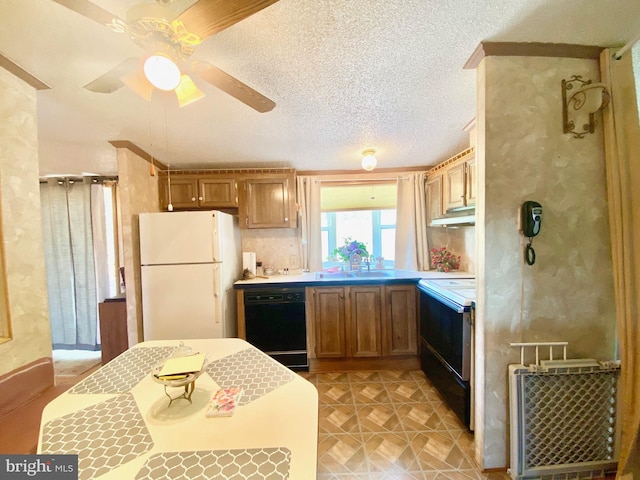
<point x="389" y="425"/>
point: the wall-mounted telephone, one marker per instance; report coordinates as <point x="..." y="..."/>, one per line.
<point x="530" y="221"/>
<point x="531" y="218"/>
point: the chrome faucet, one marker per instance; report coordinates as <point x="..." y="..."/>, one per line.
<point x="360" y="252"/>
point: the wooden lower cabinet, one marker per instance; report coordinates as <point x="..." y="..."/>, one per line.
<point x="329" y="321"/>
<point x="354" y="324"/>
<point x="364" y="336"/>
<point x="401" y="320"/>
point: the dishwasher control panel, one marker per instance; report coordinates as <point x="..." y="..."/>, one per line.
<point x="280" y="296"/>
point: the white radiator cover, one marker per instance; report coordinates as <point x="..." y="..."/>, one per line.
<point x="563" y="419"/>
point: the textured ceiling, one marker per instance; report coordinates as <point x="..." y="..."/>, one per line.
<point x="345" y="75"/>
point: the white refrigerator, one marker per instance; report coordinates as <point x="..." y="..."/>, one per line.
<point x="190" y="261"/>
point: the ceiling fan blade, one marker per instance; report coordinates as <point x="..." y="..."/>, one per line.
<point x="187" y="91"/>
<point x="233" y="86"/>
<point x="89" y="10"/>
<point x="206" y="17"/>
<point x="137" y="81"/>
<point x="112" y="80"/>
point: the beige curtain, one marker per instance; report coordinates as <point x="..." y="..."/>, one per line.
<point x="622" y="148"/>
<point x="412" y="250"/>
<point x="308" y="199"/>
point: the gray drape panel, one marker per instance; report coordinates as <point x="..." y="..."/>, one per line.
<point x="71" y="283"/>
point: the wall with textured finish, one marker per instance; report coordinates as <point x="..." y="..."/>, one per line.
<point x="21" y="227"/>
<point x="138" y="192"/>
<point x="568" y="294"/>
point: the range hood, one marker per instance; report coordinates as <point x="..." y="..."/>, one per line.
<point x="458" y="217"/>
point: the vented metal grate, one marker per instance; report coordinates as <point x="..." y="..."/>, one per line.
<point x="563" y="418"/>
<point x="568" y="417"/>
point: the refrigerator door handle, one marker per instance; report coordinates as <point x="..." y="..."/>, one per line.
<point x="216" y="240"/>
<point x="216" y="296"/>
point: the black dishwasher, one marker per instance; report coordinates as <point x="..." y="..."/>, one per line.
<point x="275" y="323"/>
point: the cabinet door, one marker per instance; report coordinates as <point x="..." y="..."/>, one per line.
<point x="363" y="322"/>
<point x="329" y="322"/>
<point x="401" y="325"/>
<point x="267" y="202"/>
<point x="215" y="192"/>
<point x="434" y="198"/>
<point x="454" y="187"/>
<point x="184" y="193"/>
<point x="471" y="180"/>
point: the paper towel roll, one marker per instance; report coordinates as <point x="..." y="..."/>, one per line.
<point x="249" y="261"/>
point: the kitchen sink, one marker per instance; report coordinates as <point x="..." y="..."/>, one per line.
<point x="358" y="274"/>
<point x="368" y="274"/>
<point x="332" y="275"/>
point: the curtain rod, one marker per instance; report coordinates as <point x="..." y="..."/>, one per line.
<point x="362" y="180"/>
<point x="618" y="55"/>
<point x="79" y="178"/>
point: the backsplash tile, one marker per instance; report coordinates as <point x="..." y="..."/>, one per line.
<point x="274" y="247"/>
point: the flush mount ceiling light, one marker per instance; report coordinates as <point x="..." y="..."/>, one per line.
<point x="581" y="97"/>
<point x="162" y="72"/>
<point x="369" y="161"/>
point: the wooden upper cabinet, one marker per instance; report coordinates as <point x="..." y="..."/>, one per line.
<point x="269" y="202"/>
<point x="471" y="180"/>
<point x="364" y="320"/>
<point x="183" y="193"/>
<point x="217" y="192"/>
<point x="454" y="186"/>
<point x="434" y="198"/>
<point x="194" y="192"/>
<point x="261" y="200"/>
<point x="460" y="184"/>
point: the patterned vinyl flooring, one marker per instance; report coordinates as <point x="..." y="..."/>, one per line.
<point x="390" y="425"/>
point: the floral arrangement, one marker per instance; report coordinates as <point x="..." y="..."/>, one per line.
<point x="344" y="252"/>
<point x="443" y="260"/>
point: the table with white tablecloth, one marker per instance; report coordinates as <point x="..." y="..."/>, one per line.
<point x="121" y="424"/>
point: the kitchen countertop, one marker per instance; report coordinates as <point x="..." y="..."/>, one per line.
<point x="309" y="279"/>
<point x="119" y="421"/>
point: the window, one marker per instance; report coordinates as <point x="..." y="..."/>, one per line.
<point x="365" y="213"/>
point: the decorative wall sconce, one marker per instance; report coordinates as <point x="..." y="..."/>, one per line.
<point x="369" y="161"/>
<point x="581" y="97"/>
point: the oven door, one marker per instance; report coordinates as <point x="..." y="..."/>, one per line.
<point x="445" y="327"/>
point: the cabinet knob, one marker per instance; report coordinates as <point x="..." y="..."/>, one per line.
<point x="286" y="219"/>
<point x="200" y="198"/>
<point x="193" y="199"/>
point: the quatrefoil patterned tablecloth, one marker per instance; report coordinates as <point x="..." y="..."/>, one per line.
<point x="104" y="436"/>
<point x="240" y="464"/>
<point x="252" y="370"/>
<point x="123" y="372"/>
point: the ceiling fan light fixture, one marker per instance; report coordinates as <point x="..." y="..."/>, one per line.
<point x="187" y="92"/>
<point x="162" y="72"/>
<point x="369" y="160"/>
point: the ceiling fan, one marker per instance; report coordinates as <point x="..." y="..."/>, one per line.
<point x="169" y="40"/>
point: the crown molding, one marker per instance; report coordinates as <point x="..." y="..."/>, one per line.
<point x="514" y="49"/>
